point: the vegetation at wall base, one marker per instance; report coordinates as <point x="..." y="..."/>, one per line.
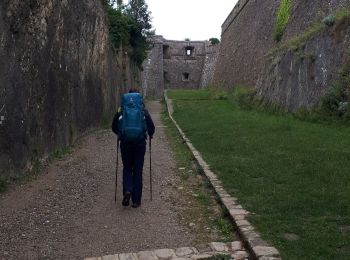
<point x="60" y="153"/>
<point x="37" y="168"/>
<point x="282" y="18"/>
<point x="291" y="174"/>
<point x="336" y="103"/>
<point x="3" y="184"/>
<point x="333" y="108"/>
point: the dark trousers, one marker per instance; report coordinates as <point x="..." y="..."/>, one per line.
<point x="133" y="155"/>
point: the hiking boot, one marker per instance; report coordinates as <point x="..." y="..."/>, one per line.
<point x="126" y="199"/>
<point x="135" y="205"/>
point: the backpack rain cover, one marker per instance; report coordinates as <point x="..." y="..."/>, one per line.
<point x="133" y="124"/>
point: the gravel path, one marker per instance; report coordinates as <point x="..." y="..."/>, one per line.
<point x="69" y="211"/>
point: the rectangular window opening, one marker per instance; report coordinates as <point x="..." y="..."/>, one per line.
<point x="185" y="76"/>
<point x="189" y="51"/>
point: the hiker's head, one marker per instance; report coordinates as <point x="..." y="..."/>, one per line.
<point x="134" y="90"/>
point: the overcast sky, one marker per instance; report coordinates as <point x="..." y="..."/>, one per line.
<point x="193" y="19"/>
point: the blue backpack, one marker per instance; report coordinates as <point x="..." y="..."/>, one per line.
<point x="133" y="123"/>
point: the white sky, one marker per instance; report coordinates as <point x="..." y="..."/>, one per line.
<point x="193" y="19"/>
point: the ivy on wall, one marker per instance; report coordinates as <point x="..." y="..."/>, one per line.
<point x="282" y="18"/>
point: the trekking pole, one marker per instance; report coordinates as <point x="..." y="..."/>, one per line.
<point x="150" y="166"/>
<point x="116" y="174"/>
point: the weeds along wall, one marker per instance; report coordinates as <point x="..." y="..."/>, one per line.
<point x="248" y="39"/>
<point x="59" y="77"/>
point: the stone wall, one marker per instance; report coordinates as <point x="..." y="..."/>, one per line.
<point x="178" y="64"/>
<point x="299" y="78"/>
<point x="181" y="70"/>
<point x="59" y="77"/>
<point x="247" y="37"/>
<point x="212" y="53"/>
<point x="152" y="75"/>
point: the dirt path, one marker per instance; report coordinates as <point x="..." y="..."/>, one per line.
<point x="69" y="212"/>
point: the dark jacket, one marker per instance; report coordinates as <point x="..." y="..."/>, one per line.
<point x="149" y="124"/>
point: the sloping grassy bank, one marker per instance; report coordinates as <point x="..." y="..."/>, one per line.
<point x="292" y="175"/>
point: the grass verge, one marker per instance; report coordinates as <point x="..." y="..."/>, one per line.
<point x="211" y="222"/>
<point x="292" y="175"/>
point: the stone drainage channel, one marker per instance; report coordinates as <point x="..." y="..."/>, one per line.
<point x="232" y="250"/>
<point x="251" y="240"/>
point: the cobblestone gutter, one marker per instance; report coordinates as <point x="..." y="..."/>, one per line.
<point x="257" y="247"/>
<point x="233" y="250"/>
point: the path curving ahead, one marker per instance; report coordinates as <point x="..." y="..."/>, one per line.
<point x="69" y="211"/>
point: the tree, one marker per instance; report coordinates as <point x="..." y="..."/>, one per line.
<point x="130" y="26"/>
<point x="214" y="41"/>
<point x="138" y="9"/>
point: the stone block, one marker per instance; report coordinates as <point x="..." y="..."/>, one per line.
<point x="249" y="235"/>
<point x="269" y="258"/>
<point x="127" y="257"/>
<point x="234" y="212"/>
<point x="228" y="202"/>
<point x="165" y="254"/>
<point x="184" y="251"/>
<point x="146" y="255"/>
<point x="257" y="241"/>
<point x="245" y="229"/>
<point x="260" y="251"/>
<point x="203" y="256"/>
<point x="236" y="246"/>
<point x="219" y="247"/>
<point x="240" y="255"/>
<point x="238" y="217"/>
<point x="110" y="257"/>
<point x="243" y="223"/>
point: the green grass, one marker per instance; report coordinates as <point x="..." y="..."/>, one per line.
<point x="189" y="94"/>
<point x="205" y="195"/>
<point x="220" y="257"/>
<point x="282" y="18"/>
<point x="60" y="153"/>
<point x="293" y="175"/>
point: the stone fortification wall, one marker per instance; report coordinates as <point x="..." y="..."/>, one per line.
<point x="182" y="70"/>
<point x="299" y="78"/>
<point x="58" y="77"/>
<point x="247" y="37"/>
<point x="212" y="52"/>
<point x="178" y="64"/>
<point x="152" y="75"/>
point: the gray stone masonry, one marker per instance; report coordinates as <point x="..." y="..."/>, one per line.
<point x="234" y="249"/>
<point x="178" y="64"/>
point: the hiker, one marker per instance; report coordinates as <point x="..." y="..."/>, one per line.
<point x="132" y="123"/>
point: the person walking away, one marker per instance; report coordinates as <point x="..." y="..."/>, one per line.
<point x="131" y="124"/>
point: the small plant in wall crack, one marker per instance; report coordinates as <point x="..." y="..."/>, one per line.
<point x="282" y="18"/>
